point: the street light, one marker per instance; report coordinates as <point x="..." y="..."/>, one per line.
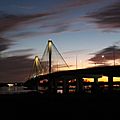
<point x="103" y="56"/>
<point x="103" y="59"/>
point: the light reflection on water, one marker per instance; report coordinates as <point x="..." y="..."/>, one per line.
<point x="13" y="89"/>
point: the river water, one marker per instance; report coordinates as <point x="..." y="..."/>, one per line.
<point x="13" y="89"/>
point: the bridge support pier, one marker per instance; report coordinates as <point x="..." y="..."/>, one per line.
<point x="79" y="85"/>
<point x="52" y="86"/>
<point x="110" y="83"/>
<point x="65" y="86"/>
<point x="95" y="86"/>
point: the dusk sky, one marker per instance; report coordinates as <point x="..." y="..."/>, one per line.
<point x="86" y="29"/>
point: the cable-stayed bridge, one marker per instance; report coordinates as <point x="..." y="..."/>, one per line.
<point x="50" y="62"/>
<point x="53" y="72"/>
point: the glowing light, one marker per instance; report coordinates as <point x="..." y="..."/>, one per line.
<point x="10" y="85"/>
<point x="103" y="56"/>
<point x="116" y="78"/>
<point x="36" y="59"/>
<point x="49" y="43"/>
<point x="103" y="79"/>
<point x="60" y="91"/>
<point x="88" y="79"/>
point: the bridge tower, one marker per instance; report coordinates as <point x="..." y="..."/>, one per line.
<point x="37" y="68"/>
<point x="50" y="53"/>
<point x="52" y="60"/>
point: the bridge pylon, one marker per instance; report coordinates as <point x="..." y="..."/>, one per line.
<point x="36" y="68"/>
<point x="52" y="60"/>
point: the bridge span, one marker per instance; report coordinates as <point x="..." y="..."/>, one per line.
<point x="47" y="75"/>
<point x="77" y="75"/>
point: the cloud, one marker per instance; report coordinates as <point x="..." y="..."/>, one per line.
<point x="9" y="21"/>
<point x="49" y="28"/>
<point x="21" y="52"/>
<point x="105" y="55"/>
<point x="25" y="6"/>
<point x="75" y="52"/>
<point x="4" y="44"/>
<point x="15" y="65"/>
<point x="15" y="69"/>
<point x="51" y="21"/>
<point x="61" y="28"/>
<point x="108" y="18"/>
<point x="77" y="3"/>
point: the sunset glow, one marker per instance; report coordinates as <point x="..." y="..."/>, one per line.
<point x="86" y="33"/>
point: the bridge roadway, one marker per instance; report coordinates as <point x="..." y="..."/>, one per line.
<point x="78" y="74"/>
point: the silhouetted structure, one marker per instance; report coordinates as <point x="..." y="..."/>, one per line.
<point x="53" y="59"/>
<point x="61" y="80"/>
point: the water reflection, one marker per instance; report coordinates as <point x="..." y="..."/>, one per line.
<point x="13" y="89"/>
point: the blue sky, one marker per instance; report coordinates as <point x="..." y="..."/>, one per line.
<point x="81" y="28"/>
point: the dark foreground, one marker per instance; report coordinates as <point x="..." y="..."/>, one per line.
<point x="86" y="106"/>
